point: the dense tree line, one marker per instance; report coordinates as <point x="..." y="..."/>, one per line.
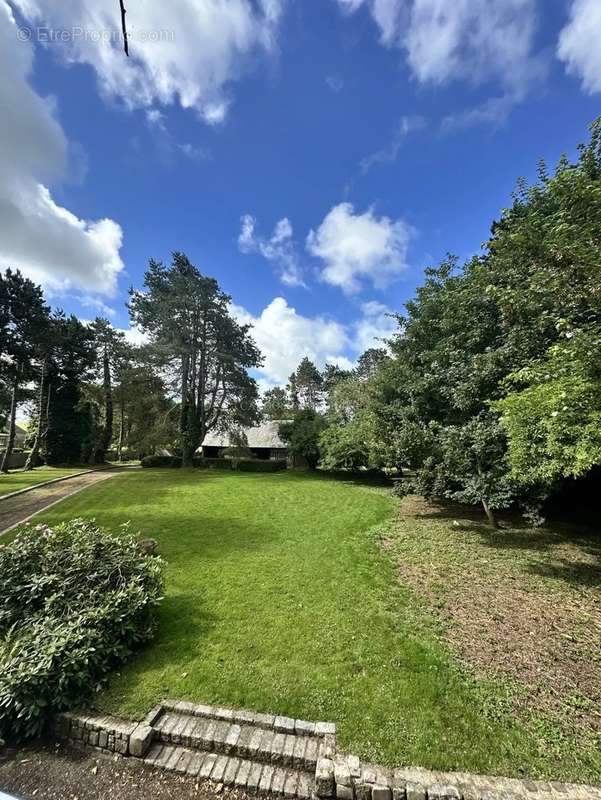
<point x="85" y="389"/>
<point x="490" y="391"/>
<point x="90" y="393"/>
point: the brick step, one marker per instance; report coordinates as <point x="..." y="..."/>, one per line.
<point x="245" y="741"/>
<point x="246" y="774"/>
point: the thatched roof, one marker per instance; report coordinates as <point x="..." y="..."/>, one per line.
<point x="20" y="431"/>
<point x="265" y="435"/>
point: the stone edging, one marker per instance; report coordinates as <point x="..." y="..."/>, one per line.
<point x="47" y="483"/>
<point x="75" y="491"/>
<point x="274" y="768"/>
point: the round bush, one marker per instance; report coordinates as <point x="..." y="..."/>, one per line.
<point x="76" y="602"/>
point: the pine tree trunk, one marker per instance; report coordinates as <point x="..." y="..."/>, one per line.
<point x="490" y="515"/>
<point x="121" y="428"/>
<point x="11" y="427"/>
<point x="184" y="422"/>
<point x="33" y="455"/>
<point x="108" y="405"/>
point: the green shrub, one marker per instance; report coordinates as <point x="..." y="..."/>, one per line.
<point x="161" y="461"/>
<point x="257" y="465"/>
<point x="76" y="602"/>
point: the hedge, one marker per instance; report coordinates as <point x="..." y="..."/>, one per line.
<point x="76" y="602"/>
<point x="216" y="463"/>
<point x="200" y="462"/>
<point x="257" y="465"/>
<point x="161" y="461"/>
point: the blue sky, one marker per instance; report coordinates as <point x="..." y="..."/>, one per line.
<point x="312" y="155"/>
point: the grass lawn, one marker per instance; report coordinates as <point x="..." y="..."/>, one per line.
<point x="21" y="480"/>
<point x="519" y="605"/>
<point x="280" y="597"/>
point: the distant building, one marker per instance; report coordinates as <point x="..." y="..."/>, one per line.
<point x="263" y="441"/>
<point x="20" y="437"/>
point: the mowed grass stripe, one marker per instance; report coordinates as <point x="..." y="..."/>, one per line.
<point x="279" y="598"/>
<point x="14" y="481"/>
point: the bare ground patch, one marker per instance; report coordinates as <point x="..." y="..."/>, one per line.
<point x="43" y="771"/>
<point x="518" y="604"/>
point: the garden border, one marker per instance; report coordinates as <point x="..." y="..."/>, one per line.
<point x="50" y="482"/>
<point x="58" y="500"/>
<point x="337" y="775"/>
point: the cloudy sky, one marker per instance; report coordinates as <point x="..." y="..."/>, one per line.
<point x="312" y="155"/>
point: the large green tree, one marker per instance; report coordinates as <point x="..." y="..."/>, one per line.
<point x="302" y="435"/>
<point x="110" y="348"/>
<point x="147" y="418"/>
<point x="197" y="341"/>
<point x="73" y="425"/>
<point x="470" y="327"/>
<point x="306" y="385"/>
<point x="24" y="324"/>
<point x="275" y="404"/>
<point x="552" y="413"/>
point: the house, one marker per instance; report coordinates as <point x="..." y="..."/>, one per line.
<point x="263" y="441"/>
<point x="20" y="437"/>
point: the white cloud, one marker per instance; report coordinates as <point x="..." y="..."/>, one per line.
<point x="493" y="112"/>
<point x="389" y="154"/>
<point x="375" y="326"/>
<point x="193" y="152"/>
<point x="42" y="239"/>
<point x="335" y="83"/>
<point x="285" y="337"/>
<point x="279" y="248"/>
<point x="88" y="301"/>
<point x="580" y="44"/>
<point x="134" y="336"/>
<point x="186" y="53"/>
<point x="472" y="40"/>
<point x="359" y="246"/>
<point x="166" y="144"/>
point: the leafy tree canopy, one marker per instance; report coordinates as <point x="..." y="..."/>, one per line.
<point x="302" y="434"/>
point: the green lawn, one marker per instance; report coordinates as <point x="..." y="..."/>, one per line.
<point x="280" y="598"/>
<point x="21" y="480"/>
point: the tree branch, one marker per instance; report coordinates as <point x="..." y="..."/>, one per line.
<point x="123" y="28"/>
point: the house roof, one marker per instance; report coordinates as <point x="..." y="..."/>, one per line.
<point x="19" y="429"/>
<point x="264" y="435"/>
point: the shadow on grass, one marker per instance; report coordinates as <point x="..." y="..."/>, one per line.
<point x="374" y="478"/>
<point x="186" y="534"/>
<point x="183" y="625"/>
<point x="516" y="534"/>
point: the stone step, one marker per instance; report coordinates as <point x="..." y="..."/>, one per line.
<point x="245" y="741"/>
<point x="246" y="774"/>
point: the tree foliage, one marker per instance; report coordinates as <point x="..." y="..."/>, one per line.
<point x="275" y="404"/>
<point x="24" y="319"/>
<point x="200" y="344"/>
<point x="552" y="413"/>
<point x="306" y="386"/>
<point x="302" y="434"/>
<point x="438" y="400"/>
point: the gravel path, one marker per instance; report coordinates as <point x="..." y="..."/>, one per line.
<point x="51" y="772"/>
<point x="17" y="509"/>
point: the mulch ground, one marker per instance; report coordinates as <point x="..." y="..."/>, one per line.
<point x="519" y="604"/>
<point x="50" y="772"/>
